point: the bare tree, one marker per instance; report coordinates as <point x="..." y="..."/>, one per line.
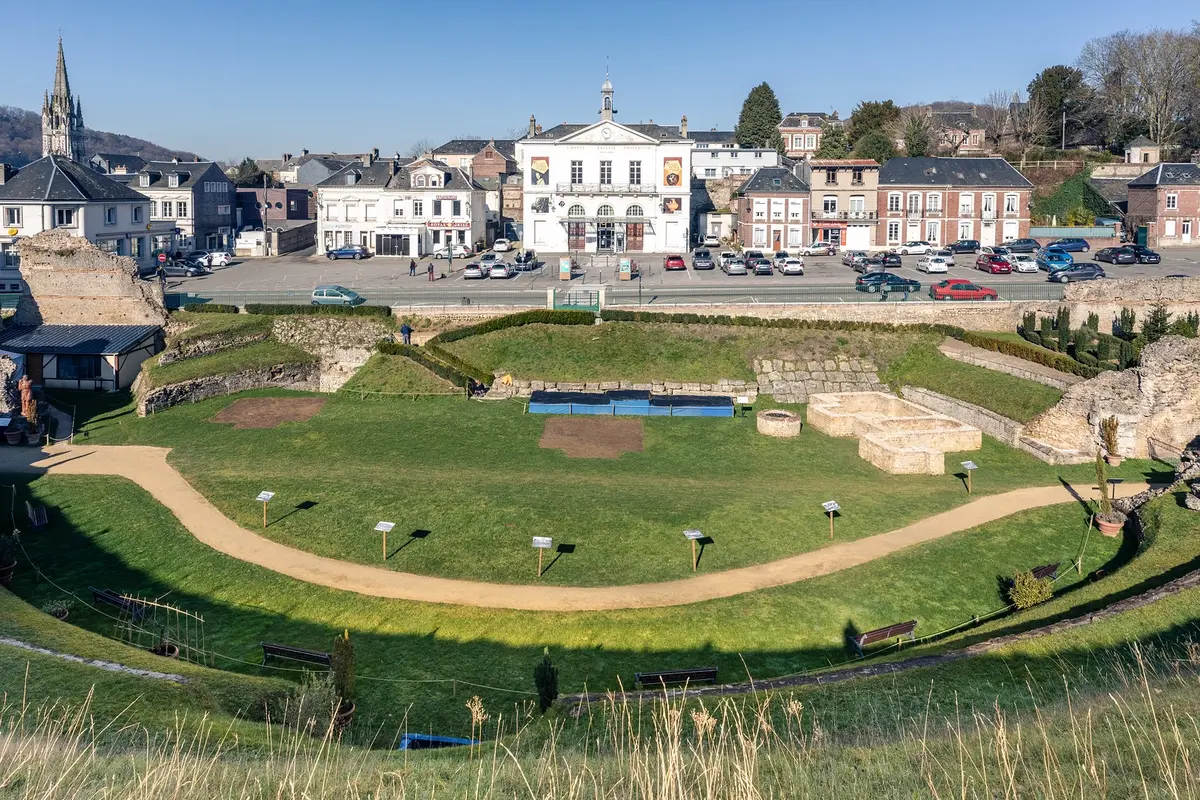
<point x="994" y="113"/>
<point x="1029" y="123"/>
<point x="1105" y="63"/>
<point x="420" y="147"/>
<point x="1160" y="75"/>
<point x="915" y="130"/>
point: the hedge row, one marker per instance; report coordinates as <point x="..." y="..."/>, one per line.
<point x="458" y="378"/>
<point x="209" y="308"/>
<point x="542" y="316"/>
<point x="272" y="309"/>
<point x="1028" y="352"/>
<point x="798" y="324"/>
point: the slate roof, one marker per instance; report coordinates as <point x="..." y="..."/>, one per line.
<point x="1142" y="141"/>
<point x="764" y="182"/>
<point x="331" y="160"/>
<point x="376" y="176"/>
<point x="190" y="172"/>
<point x="505" y="147"/>
<point x="983" y="172"/>
<point x="114" y="160"/>
<point x="102" y="340"/>
<point x="714" y="137"/>
<point x="59" y="179"/>
<point x="843" y="162"/>
<point x="1114" y="190"/>
<point x="653" y="130"/>
<point x="1167" y="175"/>
<point x="962" y="120"/>
<point x="792" y="120"/>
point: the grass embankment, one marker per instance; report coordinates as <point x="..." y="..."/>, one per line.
<point x="202" y="326"/>
<point x="258" y="355"/>
<point x="1019" y="399"/>
<point x="640" y="352"/>
<point x="397" y="375"/>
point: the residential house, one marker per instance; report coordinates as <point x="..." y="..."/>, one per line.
<point x="254" y="206"/>
<point x="1143" y="150"/>
<point x="958" y="133"/>
<point x="196" y="196"/>
<point x="113" y="164"/>
<point x="802" y="131"/>
<point x="1166" y="200"/>
<point x="87" y="357"/>
<point x="607" y="187"/>
<point x="716" y="154"/>
<point x="489" y="162"/>
<point x="399" y="209"/>
<point x="56" y="192"/>
<point x="941" y="200"/>
<point x="845" y="206"/>
<point x="772" y="210"/>
<point x="309" y="169"/>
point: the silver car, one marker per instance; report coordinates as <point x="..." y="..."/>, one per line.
<point x="850" y="257"/>
<point x="735" y="266"/>
<point x="501" y="270"/>
<point x="945" y="253"/>
<point x="473" y="270"/>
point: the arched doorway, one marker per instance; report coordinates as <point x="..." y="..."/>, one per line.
<point x="635" y="232"/>
<point x="576" y="228"/>
<point x="604" y="229"/>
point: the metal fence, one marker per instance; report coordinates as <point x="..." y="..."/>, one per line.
<point x="441" y="298"/>
<point x="738" y="295"/>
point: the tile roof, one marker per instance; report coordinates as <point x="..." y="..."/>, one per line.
<point x="58" y="178"/>
<point x="1114" y="190"/>
<point x="963" y="120"/>
<point x="1167" y="175"/>
<point x="75" y="339"/>
<point x="984" y="172"/>
<point x="190" y="172"/>
<point x="764" y="182"/>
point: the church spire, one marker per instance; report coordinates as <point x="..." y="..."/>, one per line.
<point x="61" y="85"/>
<point x="62" y="116"/>
<point x="606" y="98"/>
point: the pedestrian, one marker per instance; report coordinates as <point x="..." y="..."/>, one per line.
<point x="412" y="268"/>
<point x="430" y="270"/>
<point x="406" y="333"/>
<point x="162" y="277"/>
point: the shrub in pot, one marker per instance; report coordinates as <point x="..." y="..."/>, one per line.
<point x="1027" y="591"/>
<point x="1108" y="519"/>
<point x="343" y="679"/>
<point x="59" y="609"/>
<point x="165" y="646"/>
<point x="1108" y="431"/>
<point x="8" y="558"/>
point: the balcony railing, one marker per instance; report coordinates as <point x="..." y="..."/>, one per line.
<point x="914" y="213"/>
<point x="607" y="188"/>
<point x="966" y="211"/>
<point x="933" y="212"/>
<point x="845" y="215"/>
<point x="989" y="214"/>
<point x="1013" y="213"/>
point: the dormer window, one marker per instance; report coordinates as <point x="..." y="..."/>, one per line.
<point x="421" y="180"/>
<point x="433" y="180"/>
<point x="351" y="178"/>
<point x="173" y="180"/>
<point x="143" y="180"/>
<point x="804" y="122"/>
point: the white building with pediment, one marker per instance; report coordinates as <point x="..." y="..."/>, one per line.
<point x="605" y="187"/>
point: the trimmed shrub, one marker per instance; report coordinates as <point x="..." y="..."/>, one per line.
<point x="342" y="661"/>
<point x="457" y="377"/>
<point x="283" y="309"/>
<point x="612" y="315"/>
<point x="209" y="308"/>
<point x="1027" y="591"/>
<point x="545" y="679"/>
<point x="1061" y="363"/>
<point x="1128" y="323"/>
<point x="1028" y="322"/>
<point x="1033" y="337"/>
<point x="541" y="316"/>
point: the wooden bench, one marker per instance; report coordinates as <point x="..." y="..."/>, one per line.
<point x="676" y="676"/>
<point x="37" y="515"/>
<point x="295" y="654"/>
<point x="135" y="608"/>
<point x="901" y="629"/>
<point x="1046" y="572"/>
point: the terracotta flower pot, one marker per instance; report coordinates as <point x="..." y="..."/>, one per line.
<point x="1113" y="461"/>
<point x="1112" y="526"/>
<point x="6" y="573"/>
<point x="166" y="650"/>
<point x="61" y="616"/>
<point x="344" y="716"/>
<point x="14" y="437"/>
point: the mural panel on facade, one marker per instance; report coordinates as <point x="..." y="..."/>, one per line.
<point x="672" y="205"/>
<point x="673" y="171"/>
<point x="540" y="166"/>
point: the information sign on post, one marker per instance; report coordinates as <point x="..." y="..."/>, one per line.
<point x="830" y="507"/>
<point x="692" y="535"/>
<point x="385" y="528"/>
<point x="564" y="269"/>
<point x="626" y="269"/>
<point x="969" y="466"/>
<point x="542" y="544"/>
<point x="264" y="498"/>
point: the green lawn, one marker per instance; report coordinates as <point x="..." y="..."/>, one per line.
<point x="106" y="532"/>
<point x="641" y="352"/>
<point x="397" y="375"/>
<point x="1016" y="398"/>
<point x="236" y="359"/>
<point x="473" y="476"/>
<point x="205" y="325"/>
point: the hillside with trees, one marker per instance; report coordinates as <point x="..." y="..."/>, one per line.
<point x="21" y="141"/>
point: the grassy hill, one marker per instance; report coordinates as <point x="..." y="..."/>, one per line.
<point x="21" y="141"/>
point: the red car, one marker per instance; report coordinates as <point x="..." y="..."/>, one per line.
<point x="995" y="264"/>
<point x="674" y="262"/>
<point x="960" y="290"/>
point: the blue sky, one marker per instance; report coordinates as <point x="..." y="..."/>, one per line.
<point x="227" y="78"/>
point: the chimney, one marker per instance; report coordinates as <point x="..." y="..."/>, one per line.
<point x="367" y="159"/>
<point x="6" y="172"/>
<point x="391" y="167"/>
<point x="304" y="151"/>
<point x="683" y="126"/>
<point x="533" y="128"/>
<point x="287" y="157"/>
<point x="538" y="130"/>
<point x="374" y="153"/>
<point x="652" y="120"/>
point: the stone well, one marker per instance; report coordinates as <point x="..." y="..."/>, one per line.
<point x="779" y="423"/>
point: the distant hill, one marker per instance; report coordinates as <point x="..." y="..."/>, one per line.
<point x="21" y="141"/>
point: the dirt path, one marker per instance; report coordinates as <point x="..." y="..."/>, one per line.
<point x="148" y="467"/>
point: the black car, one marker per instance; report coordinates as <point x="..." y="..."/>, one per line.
<point x="965" y="246"/>
<point x="1077" y="272"/>
<point x="525" y="260"/>
<point x="870" y="264"/>
<point x="1023" y="246"/>
<point x="891" y="260"/>
<point x="761" y="266"/>
<point x="885" y="282"/>
<point x="1115" y="255"/>
<point x="702" y="259"/>
<point x="1143" y="254"/>
<point x="1071" y="245"/>
<point x="183" y="268"/>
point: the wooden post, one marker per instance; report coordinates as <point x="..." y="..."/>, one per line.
<point x="969" y="480"/>
<point x="693" y="541"/>
<point x="831" y="526"/>
<point x="540" y="551"/>
<point x="265" y="513"/>
<point x="385" y="545"/>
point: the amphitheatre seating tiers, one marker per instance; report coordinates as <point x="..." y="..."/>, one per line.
<point x="676" y="676"/>
<point x="896" y="435"/>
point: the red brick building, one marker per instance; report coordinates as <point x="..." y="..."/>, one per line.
<point x="1167" y="201"/>
<point x="802" y="131"/>
<point x="771" y="210"/>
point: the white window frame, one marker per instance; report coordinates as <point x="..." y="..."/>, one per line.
<point x="966" y="229"/>
<point x="223" y="209"/>
<point x="65" y="217"/>
<point x="893" y="230"/>
<point x="351" y="212"/>
<point x="1169" y="227"/>
<point x="576" y="173"/>
<point x="829" y="204"/>
<point x="12" y="217"/>
<point x="796" y="209"/>
<point x="635" y="172"/>
<point x="913" y="205"/>
<point x="1172" y="202"/>
<point x="760" y="209"/>
<point x="933" y="201"/>
<point x="1012" y="204"/>
<point x="989" y="204"/>
<point x="710" y="172"/>
<point x="933" y="231"/>
<point x="398" y="208"/>
<point x="858" y="203"/>
<point x="173" y="181"/>
<point x="966" y="205"/>
<point x="110" y="215"/>
<point x="369" y="212"/>
<point x="795" y="237"/>
<point x="760" y="236"/>
<point x="606" y="173"/>
<point x="181" y="208"/>
<point x="137" y="214"/>
<point x="810" y="141"/>
<point x="418" y="208"/>
<point x="895" y="201"/>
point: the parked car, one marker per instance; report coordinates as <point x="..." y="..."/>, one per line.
<point x="957" y="289"/>
<point x="780" y="256"/>
<point x="334" y="295"/>
<point x="1051" y="260"/>
<point x="964" y="246"/>
<point x="200" y="258"/>
<point x="702" y="259"/>
<point x="501" y="270"/>
<point x="501" y="245"/>
<point x="932" y="264"/>
<point x="997" y="250"/>
<point x="1077" y="272"/>
<point x="674" y="262"/>
<point x="750" y="255"/>
<point x="489" y="260"/>
<point x="1070" y="245"/>
<point x="458" y="250"/>
<point x="727" y="256"/>
<point x="525" y="260"/>
<point x="819" y="249"/>
<point x="885" y="282"/>
<point x="870" y="264"/>
<point x="219" y="258"/>
<point x="850" y="256"/>
<point x="734" y="266"/>
<point x="474" y="270"/>
<point x="761" y="266"/>
<point x="347" y="251"/>
<point x="945" y="253"/>
<point x="185" y="269"/>
<point x="891" y="260"/>
<point x="1023" y="262"/>
<point x="1144" y="254"/>
<point x="793" y="266"/>
<point x="915" y="248"/>
<point x="712" y="240"/>
<point x="1115" y="255"/>
<point x="1023" y="245"/>
<point x="993" y="263"/>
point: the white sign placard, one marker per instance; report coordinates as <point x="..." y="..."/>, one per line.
<point x="693" y="534"/>
<point x="542" y="542"/>
<point x="263" y="497"/>
<point x="385" y="527"/>
<point x="830" y="506"/>
<point x="970" y="465"/>
<point x="743" y="400"/>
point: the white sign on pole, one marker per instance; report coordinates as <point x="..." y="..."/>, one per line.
<point x="385" y="527"/>
<point x="264" y="497"/>
<point x="970" y="465"/>
<point x="743" y="400"/>
<point x="830" y="506"/>
<point x="542" y="542"/>
<point x="693" y="534"/>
